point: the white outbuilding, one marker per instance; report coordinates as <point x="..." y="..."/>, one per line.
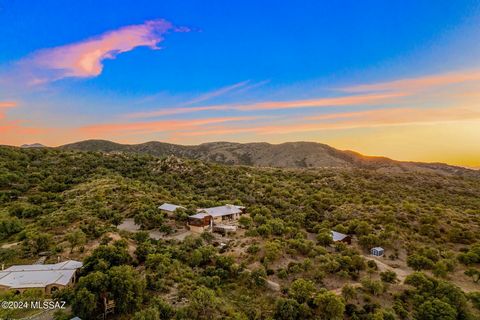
<point x="377" y="251"/>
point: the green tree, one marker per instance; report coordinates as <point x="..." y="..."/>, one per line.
<point x="418" y="262"/>
<point x="474" y="297"/>
<point x="258" y="277"/>
<point x="301" y="290"/>
<point x="37" y="242"/>
<point x="474" y="274"/>
<point x="388" y="276"/>
<point x="76" y="238"/>
<point x="273" y="250"/>
<point x="373" y="286"/>
<point x="324" y="238"/>
<point x="147" y="314"/>
<point x="127" y="288"/>
<point x="329" y="306"/>
<point x="349" y="292"/>
<point x="245" y="221"/>
<point x="203" y="304"/>
<point x="287" y="309"/>
<point x="436" y="309"/>
<point x="84" y="304"/>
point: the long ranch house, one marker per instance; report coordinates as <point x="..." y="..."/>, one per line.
<point x="47" y="277"/>
<point x="207" y="218"/>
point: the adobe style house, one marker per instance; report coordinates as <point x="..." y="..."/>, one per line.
<point x="47" y="277"/>
<point x="170" y="209"/>
<point x="207" y="218"/>
<point x="340" y="237"/>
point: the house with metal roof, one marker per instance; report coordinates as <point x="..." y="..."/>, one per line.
<point x="169" y="208"/>
<point x="47" y="277"/>
<point x="206" y="218"/>
<point x="340" y="237"/>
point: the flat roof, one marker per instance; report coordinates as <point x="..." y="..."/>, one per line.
<point x="170" y="207"/>
<point x="38" y="275"/>
<point x="219" y="211"/>
<point x="65" y="265"/>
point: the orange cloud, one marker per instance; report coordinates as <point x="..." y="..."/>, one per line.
<point x="350" y="120"/>
<point x="7" y="104"/>
<point x="157" y="126"/>
<point x="418" y="83"/>
<point x="278" y="105"/>
<point x="85" y="59"/>
<point x="17" y="129"/>
<point x="321" y="102"/>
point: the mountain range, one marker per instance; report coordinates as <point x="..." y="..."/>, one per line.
<point x="262" y="154"/>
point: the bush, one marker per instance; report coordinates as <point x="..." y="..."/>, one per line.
<point x="301" y="290"/>
<point x="388" y="276"/>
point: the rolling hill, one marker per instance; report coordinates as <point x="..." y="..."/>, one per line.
<point x="285" y="155"/>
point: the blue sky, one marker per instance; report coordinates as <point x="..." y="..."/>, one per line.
<point x="234" y="53"/>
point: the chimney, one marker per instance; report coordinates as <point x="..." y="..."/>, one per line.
<point x="3" y="266"/>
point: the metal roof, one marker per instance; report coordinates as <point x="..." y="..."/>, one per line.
<point x="220" y="211"/>
<point x="199" y="215"/>
<point x="378" y="249"/>
<point x="65" y="265"/>
<point x="170" y="207"/>
<point x="38" y="276"/>
<point x="337" y="236"/>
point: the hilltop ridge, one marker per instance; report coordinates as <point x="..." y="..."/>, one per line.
<point x="261" y="154"/>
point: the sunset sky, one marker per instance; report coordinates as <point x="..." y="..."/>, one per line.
<point x="397" y="79"/>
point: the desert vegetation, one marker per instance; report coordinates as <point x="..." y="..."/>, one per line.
<point x="68" y="204"/>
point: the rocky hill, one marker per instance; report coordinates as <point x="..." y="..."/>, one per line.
<point x="285" y="155"/>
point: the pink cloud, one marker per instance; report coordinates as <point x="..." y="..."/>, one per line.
<point x="419" y="83"/>
<point x="278" y="105"/>
<point x="320" y="102"/>
<point x="348" y="120"/>
<point x="7" y="104"/>
<point x="157" y="126"/>
<point x="85" y="59"/>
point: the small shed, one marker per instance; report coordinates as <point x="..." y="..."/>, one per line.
<point x="377" y="251"/>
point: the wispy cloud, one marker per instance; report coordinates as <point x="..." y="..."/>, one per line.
<point x="320" y="102"/>
<point x="183" y="108"/>
<point x="15" y="128"/>
<point x="217" y="93"/>
<point x="4" y="105"/>
<point x="85" y="58"/>
<point x="173" y="111"/>
<point x="7" y="104"/>
<point x="348" y="120"/>
<point x="370" y="99"/>
<point x="157" y="126"/>
<point x="418" y="83"/>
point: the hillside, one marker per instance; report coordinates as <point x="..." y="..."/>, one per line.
<point x="285" y="155"/>
<point x="280" y="264"/>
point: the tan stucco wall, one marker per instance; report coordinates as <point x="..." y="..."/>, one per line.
<point x="197" y="229"/>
